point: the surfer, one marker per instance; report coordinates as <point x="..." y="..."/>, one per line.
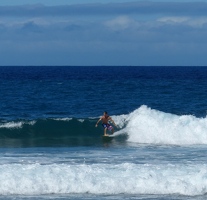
<point x="105" y="123"/>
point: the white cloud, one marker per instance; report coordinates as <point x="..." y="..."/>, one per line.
<point x="195" y="22"/>
<point x="173" y="19"/>
<point x="120" y="23"/>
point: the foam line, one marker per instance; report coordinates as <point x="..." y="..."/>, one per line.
<point x="126" y="178"/>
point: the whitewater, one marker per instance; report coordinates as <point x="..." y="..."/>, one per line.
<point x="146" y="125"/>
<point x="113" y="169"/>
<point x="126" y="178"/>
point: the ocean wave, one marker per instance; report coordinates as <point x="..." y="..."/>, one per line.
<point x="126" y="178"/>
<point x="144" y="125"/>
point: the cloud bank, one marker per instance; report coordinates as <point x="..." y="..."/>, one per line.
<point x="142" y="33"/>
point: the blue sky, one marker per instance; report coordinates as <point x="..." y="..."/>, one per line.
<point x="103" y="32"/>
<point x="68" y="2"/>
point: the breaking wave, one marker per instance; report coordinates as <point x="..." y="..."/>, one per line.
<point x="144" y="125"/>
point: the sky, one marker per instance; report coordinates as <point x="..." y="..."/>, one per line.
<point x="103" y="32"/>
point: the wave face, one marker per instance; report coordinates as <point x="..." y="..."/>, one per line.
<point x="127" y="178"/>
<point x="144" y="125"/>
<point x="49" y="132"/>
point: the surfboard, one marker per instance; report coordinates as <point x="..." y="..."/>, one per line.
<point x="107" y="137"/>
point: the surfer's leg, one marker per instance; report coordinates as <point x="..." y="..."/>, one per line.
<point x="105" y="131"/>
<point x="112" y="130"/>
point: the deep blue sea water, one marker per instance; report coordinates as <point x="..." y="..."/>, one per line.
<point x="51" y="149"/>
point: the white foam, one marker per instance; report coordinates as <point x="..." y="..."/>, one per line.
<point x="63" y="119"/>
<point x="126" y="178"/>
<point x="146" y="125"/>
<point x="12" y="125"/>
<point x="68" y="119"/>
<point x="120" y="120"/>
<point x="31" y="123"/>
<point x="16" y="125"/>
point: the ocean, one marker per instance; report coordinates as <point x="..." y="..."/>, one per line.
<point x="51" y="149"/>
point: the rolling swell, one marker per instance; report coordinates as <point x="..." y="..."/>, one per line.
<point x="50" y="132"/>
<point x="142" y="126"/>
